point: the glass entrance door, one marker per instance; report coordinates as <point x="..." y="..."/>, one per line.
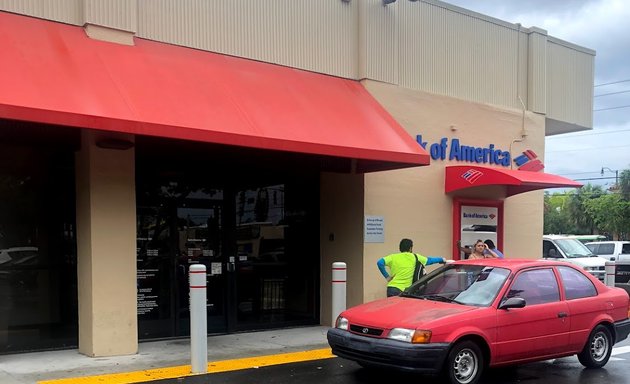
<point x="199" y="241"/>
<point x="257" y="235"/>
<point x="179" y="228"/>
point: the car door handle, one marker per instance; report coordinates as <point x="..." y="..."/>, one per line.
<point x="563" y="314"/>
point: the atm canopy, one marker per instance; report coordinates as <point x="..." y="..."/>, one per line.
<point x="469" y="176"/>
<point x="53" y="73"/>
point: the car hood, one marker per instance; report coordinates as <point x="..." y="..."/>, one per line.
<point x="403" y="312"/>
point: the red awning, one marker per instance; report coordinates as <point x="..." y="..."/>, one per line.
<point x="53" y="73"/>
<point x="468" y="176"/>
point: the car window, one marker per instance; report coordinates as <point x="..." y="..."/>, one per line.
<point x="463" y="284"/>
<point x="536" y="287"/>
<point x="593" y="248"/>
<point x="576" y="285"/>
<point x="573" y="248"/>
<point x="547" y="247"/>
<point x="606" y="249"/>
<point x="625" y="248"/>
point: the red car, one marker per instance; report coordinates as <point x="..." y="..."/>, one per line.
<point x="472" y="314"/>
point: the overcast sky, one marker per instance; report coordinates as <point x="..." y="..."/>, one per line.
<point x="603" y="26"/>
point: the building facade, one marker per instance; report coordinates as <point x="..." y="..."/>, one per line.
<point x="266" y="140"/>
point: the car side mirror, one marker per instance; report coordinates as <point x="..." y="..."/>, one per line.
<point x="552" y="253"/>
<point x="512" y="302"/>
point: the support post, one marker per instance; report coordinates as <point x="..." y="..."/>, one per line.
<point x="198" y="319"/>
<point x="338" y="290"/>
<point x="609" y="279"/>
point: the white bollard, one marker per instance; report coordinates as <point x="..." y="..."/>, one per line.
<point x="198" y="319"/>
<point x="609" y="279"/>
<point x="338" y="290"/>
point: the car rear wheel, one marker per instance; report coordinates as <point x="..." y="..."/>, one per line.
<point x="464" y="364"/>
<point x="598" y="348"/>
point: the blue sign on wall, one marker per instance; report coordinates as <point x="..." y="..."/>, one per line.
<point x="458" y="152"/>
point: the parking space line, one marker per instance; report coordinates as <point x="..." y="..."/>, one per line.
<point x="184" y="370"/>
<point x="620" y="350"/>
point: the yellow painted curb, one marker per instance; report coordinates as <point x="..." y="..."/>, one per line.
<point x="184" y="370"/>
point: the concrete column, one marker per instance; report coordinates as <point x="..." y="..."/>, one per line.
<point x="106" y="245"/>
<point x="341" y="237"/>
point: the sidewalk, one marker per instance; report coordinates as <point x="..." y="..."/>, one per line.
<point x="33" y="367"/>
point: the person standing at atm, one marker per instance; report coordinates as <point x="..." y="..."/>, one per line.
<point x="401" y="267"/>
<point x="481" y="250"/>
<point x="491" y="250"/>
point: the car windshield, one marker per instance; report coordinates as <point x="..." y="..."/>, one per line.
<point x="461" y="284"/>
<point x="573" y="248"/>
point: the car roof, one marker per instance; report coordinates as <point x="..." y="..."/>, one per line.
<point x="514" y="264"/>
<point x="553" y="237"/>
<point x="609" y="242"/>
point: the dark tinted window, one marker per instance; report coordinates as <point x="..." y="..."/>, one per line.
<point x="536" y="287"/>
<point x="625" y="248"/>
<point x="606" y="249"/>
<point x="549" y="250"/>
<point x="38" y="290"/>
<point x="576" y="285"/>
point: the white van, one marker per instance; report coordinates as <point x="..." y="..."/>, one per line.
<point x="573" y="251"/>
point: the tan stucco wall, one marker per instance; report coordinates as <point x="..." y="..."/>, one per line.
<point x="413" y="201"/>
<point x="106" y="249"/>
<point x="341" y="237"/>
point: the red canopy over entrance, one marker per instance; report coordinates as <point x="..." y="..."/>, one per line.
<point x="469" y="176"/>
<point x="53" y="73"/>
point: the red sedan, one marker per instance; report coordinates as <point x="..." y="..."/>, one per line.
<point x="472" y="314"/>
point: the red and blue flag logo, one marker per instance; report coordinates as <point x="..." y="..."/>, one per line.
<point x="528" y="161"/>
<point x="472" y="175"/>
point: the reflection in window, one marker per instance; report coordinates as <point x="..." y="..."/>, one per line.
<point x="264" y="204"/>
<point x="536" y="287"/>
<point x="466" y="284"/>
<point x="261" y="224"/>
<point x="576" y="285"/>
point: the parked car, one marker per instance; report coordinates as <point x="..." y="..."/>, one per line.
<point x="472" y="314"/>
<point x="569" y="249"/>
<point x="619" y="250"/>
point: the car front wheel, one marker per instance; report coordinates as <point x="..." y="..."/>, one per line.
<point x="464" y="364"/>
<point x="598" y="348"/>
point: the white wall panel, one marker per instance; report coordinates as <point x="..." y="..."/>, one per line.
<point x="439" y="48"/>
<point x="570" y="77"/>
<point x="117" y="14"/>
<point x="315" y="35"/>
<point x="380" y="39"/>
<point x="455" y="53"/>
<point x="537" y="69"/>
<point x="65" y="11"/>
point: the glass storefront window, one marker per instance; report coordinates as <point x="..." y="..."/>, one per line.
<point x="38" y="291"/>
<point x="254" y="226"/>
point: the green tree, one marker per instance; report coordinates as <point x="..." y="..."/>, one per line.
<point x="576" y="204"/>
<point x="624" y="184"/>
<point x="611" y="214"/>
<point x="556" y="216"/>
